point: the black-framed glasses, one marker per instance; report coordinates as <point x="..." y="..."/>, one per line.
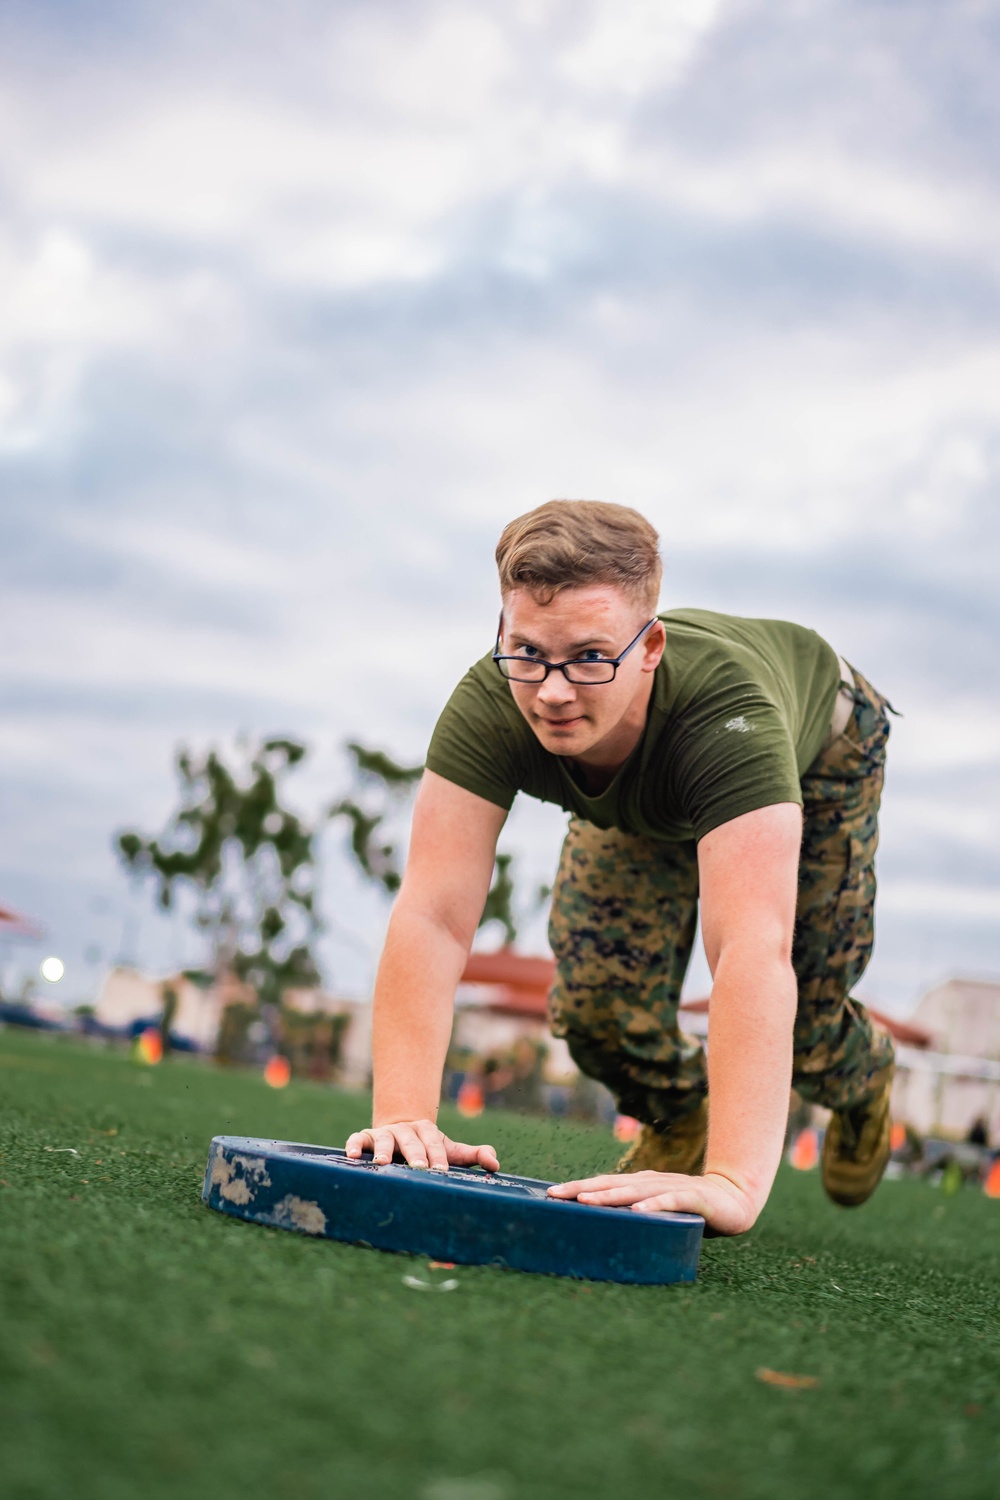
<point x="580" y="670"/>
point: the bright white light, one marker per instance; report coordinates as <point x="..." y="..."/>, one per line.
<point x="52" y="969"/>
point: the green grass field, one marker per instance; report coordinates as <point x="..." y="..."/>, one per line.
<point x="150" y="1348"/>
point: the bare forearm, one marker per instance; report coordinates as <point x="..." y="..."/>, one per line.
<point x="752" y="1015"/>
<point x="412" y="1016"/>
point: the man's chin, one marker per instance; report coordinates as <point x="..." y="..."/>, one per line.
<point x="565" y="738"/>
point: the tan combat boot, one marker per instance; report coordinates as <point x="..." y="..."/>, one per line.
<point x="856" y="1149"/>
<point x="681" y="1148"/>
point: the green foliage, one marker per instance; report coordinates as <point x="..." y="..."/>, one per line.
<point x="499" y="901"/>
<point x="234" y="1044"/>
<point x="312" y="1043"/>
<point x="247" y="863"/>
<point x="381" y="767"/>
<point x="376" y="860"/>
<point x="381" y="786"/>
<point x="384" y="783"/>
<point x="247" y="860"/>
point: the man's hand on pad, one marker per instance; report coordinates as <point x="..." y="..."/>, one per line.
<point x="725" y="1207"/>
<point x="422" y="1144"/>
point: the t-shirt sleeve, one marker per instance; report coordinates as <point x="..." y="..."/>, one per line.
<point x="474" y="747"/>
<point x="734" y="762"/>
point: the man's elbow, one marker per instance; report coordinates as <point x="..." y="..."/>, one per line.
<point x="761" y="957"/>
<point x="447" y="921"/>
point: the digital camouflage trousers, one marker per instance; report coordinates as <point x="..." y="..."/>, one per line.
<point x="624" y="915"/>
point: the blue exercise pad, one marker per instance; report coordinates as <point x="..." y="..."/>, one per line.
<point x="466" y="1215"/>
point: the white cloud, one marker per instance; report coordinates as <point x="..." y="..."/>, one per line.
<point x="941" y="901"/>
<point x="64" y="306"/>
<point x="290" y="328"/>
<point x="815" y="184"/>
<point x="187" y="552"/>
<point x="962" y="820"/>
<point x="633" y="46"/>
<point x="950" y="732"/>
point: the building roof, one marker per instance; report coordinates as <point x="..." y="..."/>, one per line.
<point x="13" y="922"/>
<point x="518" y="971"/>
<point x="521" y="985"/>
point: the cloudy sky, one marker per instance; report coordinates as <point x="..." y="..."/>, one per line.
<point x="299" y="305"/>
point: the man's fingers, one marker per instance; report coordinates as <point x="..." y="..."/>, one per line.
<point x="435" y="1146"/>
<point x="624" y="1190"/>
<point x="620" y="1196"/>
<point x="725" y="1209"/>
<point x="461" y="1155"/>
<point x="410" y="1145"/>
<point x="385" y="1142"/>
<point x="664" y="1203"/>
<point x="584" y="1185"/>
<point x="682" y="1201"/>
<point x="360" y="1141"/>
<point x="421" y="1144"/>
<point x="722" y="1205"/>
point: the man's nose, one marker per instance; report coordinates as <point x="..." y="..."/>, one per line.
<point x="556" y="690"/>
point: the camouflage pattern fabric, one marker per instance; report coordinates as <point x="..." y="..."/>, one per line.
<point x="624" y="915"/>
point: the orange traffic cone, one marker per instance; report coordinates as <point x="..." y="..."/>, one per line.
<point x="991" y="1187"/>
<point x="805" y="1152"/>
<point x="278" y="1071"/>
<point x="149" y="1047"/>
<point x="897" y="1137"/>
<point x="470" y="1099"/>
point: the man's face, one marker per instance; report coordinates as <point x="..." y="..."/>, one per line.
<point x="570" y="718"/>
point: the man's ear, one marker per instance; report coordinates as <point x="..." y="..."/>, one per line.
<point x="655" y="645"/>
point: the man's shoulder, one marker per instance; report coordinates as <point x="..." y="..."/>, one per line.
<point x="483" y="687"/>
<point x="480" y="741"/>
<point x="715" y="625"/>
<point x="705" y="641"/>
<point x="482" y="713"/>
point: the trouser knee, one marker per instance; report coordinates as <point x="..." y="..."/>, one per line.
<point x="654" y="1072"/>
<point x="842" y="1060"/>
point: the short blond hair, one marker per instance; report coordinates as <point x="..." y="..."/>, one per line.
<point x="570" y="543"/>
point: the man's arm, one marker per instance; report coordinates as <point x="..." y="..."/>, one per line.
<point x="748" y="871"/>
<point x="748" y="874"/>
<point x="437" y="911"/>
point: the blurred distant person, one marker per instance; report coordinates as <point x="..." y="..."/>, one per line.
<point x="701" y="757"/>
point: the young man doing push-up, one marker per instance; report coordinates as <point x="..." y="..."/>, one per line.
<point x="702" y="758"/>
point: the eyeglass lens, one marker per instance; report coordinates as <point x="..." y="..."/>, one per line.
<point x="578" y="671"/>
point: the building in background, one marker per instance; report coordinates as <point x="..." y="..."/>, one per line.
<point x="354" y="1037"/>
<point x="948" y="1052"/>
<point x="127" y="996"/>
<point x="952" y="1081"/>
<point x="947" y="1055"/>
<point x="962" y="1016"/>
<point x="202" y="1006"/>
<point x="503" y="999"/>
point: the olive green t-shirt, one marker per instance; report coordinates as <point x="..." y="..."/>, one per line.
<point x="739" y="710"/>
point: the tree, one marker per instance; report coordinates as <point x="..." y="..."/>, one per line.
<point x="391" y="783"/>
<point x="248" y="861"/>
<point x="382" y="789"/>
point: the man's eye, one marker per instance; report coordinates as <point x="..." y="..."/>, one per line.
<point x="591" y="656"/>
<point x="527" y="650"/>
